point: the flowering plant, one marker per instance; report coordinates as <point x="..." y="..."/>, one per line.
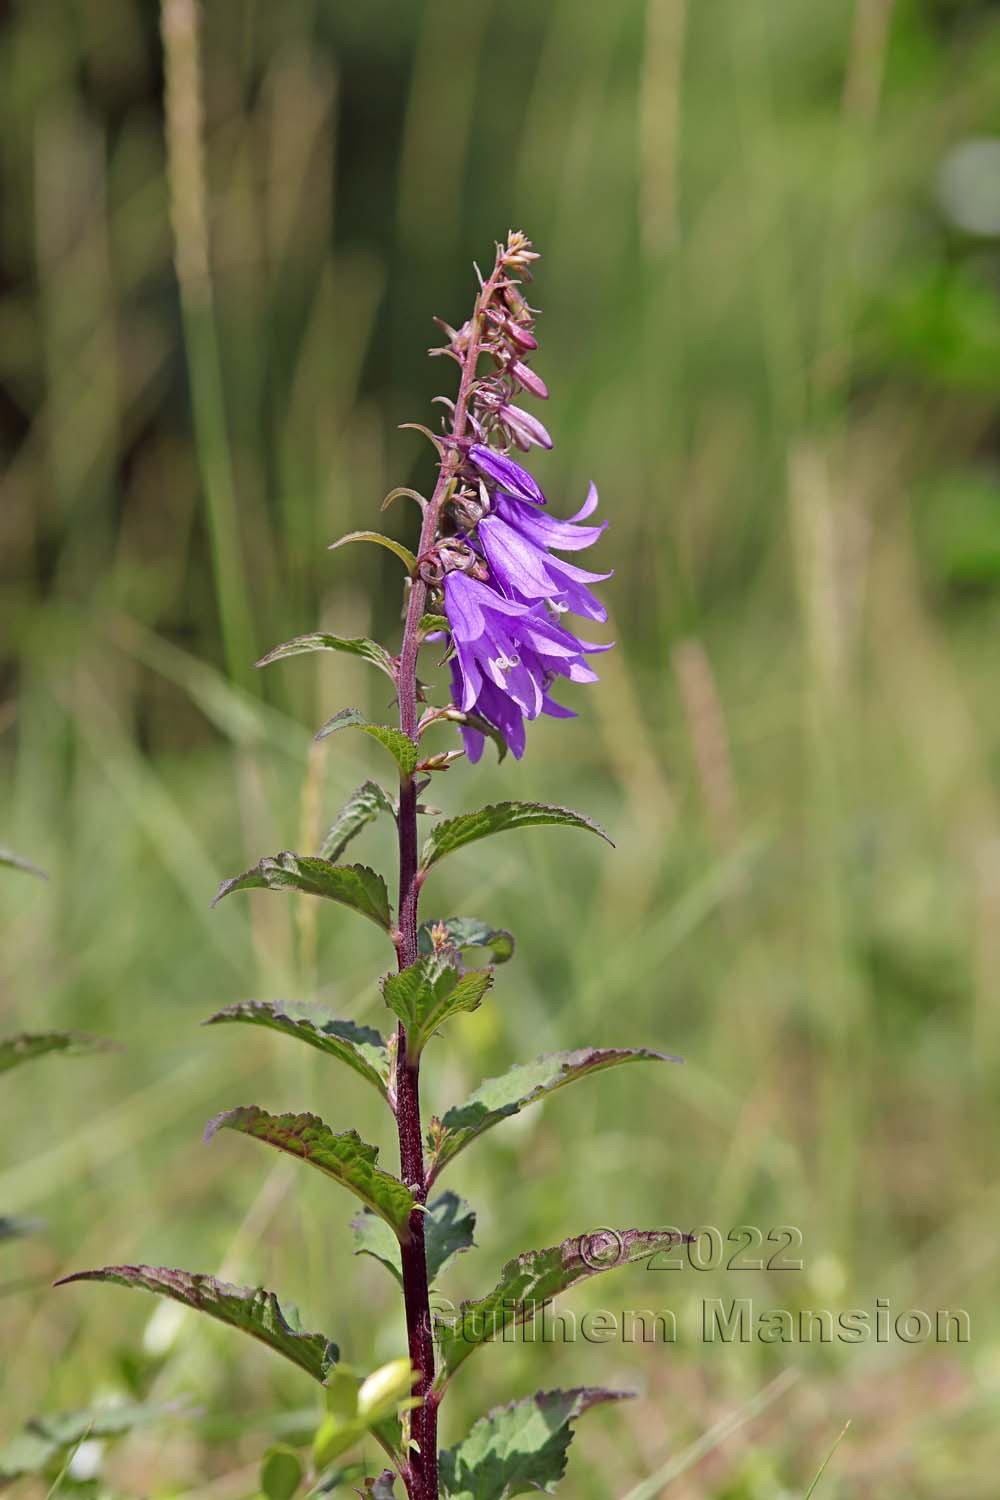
<point x="487" y="584"/>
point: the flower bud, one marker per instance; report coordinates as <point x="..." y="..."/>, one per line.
<point x="524" y="428"/>
<point x="529" y="380"/>
<point x="385" y="1388"/>
<point x="521" y="336"/>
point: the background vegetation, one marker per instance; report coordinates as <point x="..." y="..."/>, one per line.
<point x="772" y="332"/>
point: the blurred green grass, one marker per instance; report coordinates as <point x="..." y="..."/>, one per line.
<point x="777" y="354"/>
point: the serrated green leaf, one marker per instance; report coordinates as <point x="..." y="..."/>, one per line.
<point x="345" y="1157"/>
<point x="399" y="745"/>
<point x="501" y="817"/>
<point x="321" y="640"/>
<point x="432" y="624"/>
<point x="403" y="553"/>
<point x="14" y="861"/>
<point x="467" y="932"/>
<point x="449" y="1229"/>
<point x="521" y="1448"/>
<point x="281" y="1472"/>
<point x="498" y="1098"/>
<point x="15" y="1050"/>
<point x="429" y="992"/>
<point x="250" y="1309"/>
<point x="360" y="1047"/>
<point x="530" y="1281"/>
<point x="361" y="808"/>
<point x="355" y="886"/>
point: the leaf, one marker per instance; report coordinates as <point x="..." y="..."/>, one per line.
<point x="281" y="1473"/>
<point x="429" y="992"/>
<point x="399" y="745"/>
<point x="449" y="1226"/>
<point x="355" y="886"/>
<point x="360" y="1047"/>
<point x="15" y="1050"/>
<point x="433" y="624"/>
<point x="320" y="640"/>
<point x="467" y="932"/>
<point x="345" y="1157"/>
<point x="530" y="1281"/>
<point x="46" y="1437"/>
<point x="361" y="808"/>
<point x="15" y="861"/>
<point x="521" y="1448"/>
<point x="403" y="553"/>
<point x="455" y="833"/>
<point x="499" y="1098"/>
<point x="251" y="1309"/>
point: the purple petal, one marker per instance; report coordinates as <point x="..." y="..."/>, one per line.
<point x="506" y="473"/>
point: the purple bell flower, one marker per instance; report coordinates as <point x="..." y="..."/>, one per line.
<point x="546" y="531"/>
<point x="526" y="572"/>
<point x="506" y="474"/>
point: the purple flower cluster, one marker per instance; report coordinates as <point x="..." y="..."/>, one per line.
<point x="509" y="639"/>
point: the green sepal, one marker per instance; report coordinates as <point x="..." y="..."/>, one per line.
<point x="530" y="1281"/>
<point x="360" y="1047"/>
<point x="520" y="1448"/>
<point x="399" y="745"/>
<point x="251" y="1309"/>
<point x="361" y="808"/>
<point x="321" y="640"/>
<point x="356" y="886"/>
<point x="426" y="994"/>
<point x="449" y="1229"/>
<point x="500" y="817"/>
<point x="403" y="553"/>
<point x="345" y="1157"/>
<point x="466" y="932"/>
<point x="498" y="1099"/>
<point x="15" y="1050"/>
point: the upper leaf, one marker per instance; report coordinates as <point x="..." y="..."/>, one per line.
<point x="449" y="1226"/>
<point x="15" y="861"/>
<point x="521" y="1448"/>
<point x="345" y="1157"/>
<point x="455" y="833"/>
<point x="355" y="886"/>
<point x="399" y="745"/>
<point x="466" y="932"/>
<point x="251" y="1309"/>
<point x="362" y="807"/>
<point x="15" y="1050"/>
<point x="530" y="1281"/>
<point x="319" y="640"/>
<point x="360" y="1047"/>
<point x="427" y="993"/>
<point x="498" y="1098"/>
<point x="403" y="553"/>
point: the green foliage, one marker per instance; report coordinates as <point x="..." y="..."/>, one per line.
<point x="449" y="1229"/>
<point x="319" y="640"/>
<point x="345" y="1157"/>
<point x="399" y="745"/>
<point x="355" y="886"/>
<point x="521" y="1448"/>
<point x="14" y="861"/>
<point x="360" y="1047"/>
<point x="45" y="1440"/>
<point x="429" y="992"/>
<point x="281" y="1473"/>
<point x="403" y="553"/>
<point x="530" y="1281"/>
<point x="15" y="1050"/>
<point x="467" y="932"/>
<point x="434" y="625"/>
<point x="455" y="833"/>
<point x="361" y="808"/>
<point x="356" y="1407"/>
<point x="251" y="1309"/>
<point x="498" y="1098"/>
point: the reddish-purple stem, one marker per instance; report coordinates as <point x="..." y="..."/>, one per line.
<point x="421" y="1475"/>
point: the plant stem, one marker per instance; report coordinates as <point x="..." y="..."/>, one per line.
<point x="422" y="1474"/>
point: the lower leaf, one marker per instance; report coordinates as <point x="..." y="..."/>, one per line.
<point x="251" y="1309"/>
<point x="521" y="1448"/>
